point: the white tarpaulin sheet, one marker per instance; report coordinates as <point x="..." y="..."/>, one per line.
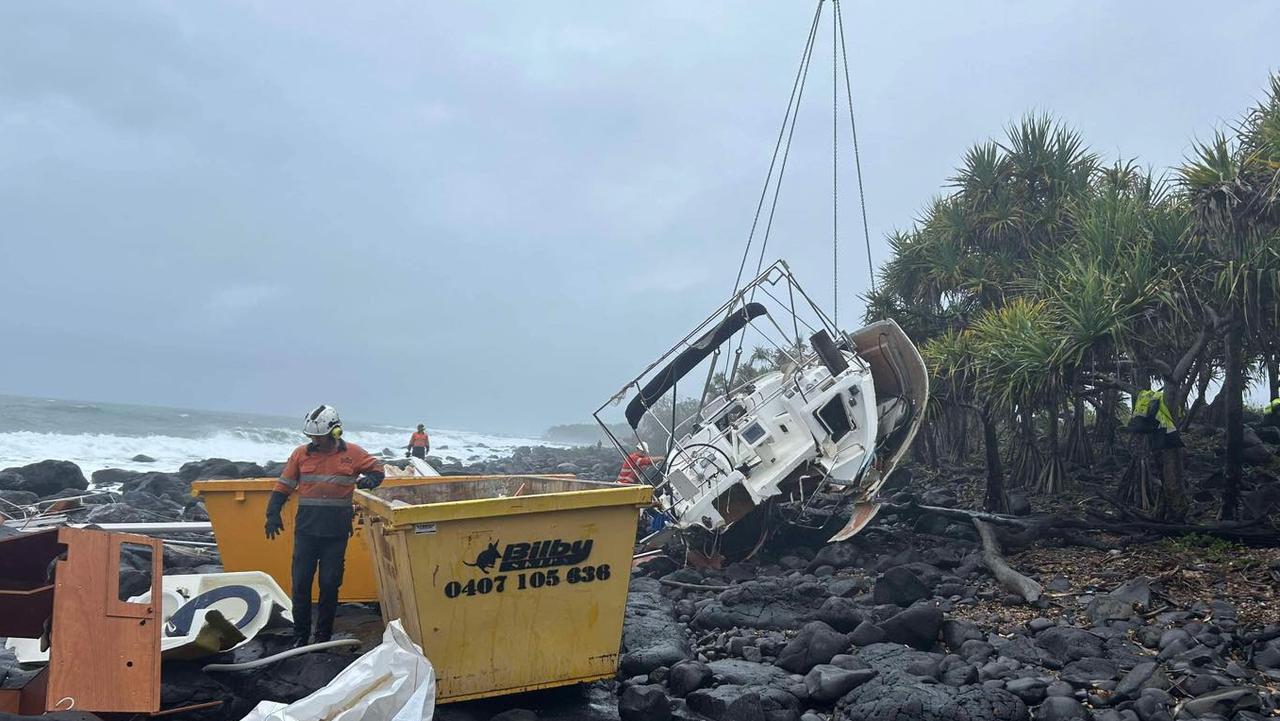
<point x="393" y="682"/>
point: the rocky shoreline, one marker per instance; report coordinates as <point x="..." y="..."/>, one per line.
<point x="880" y="629"/>
<point x="902" y="623"/>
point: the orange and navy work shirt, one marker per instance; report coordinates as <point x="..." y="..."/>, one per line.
<point x="635" y="463"/>
<point x="419" y="440"/>
<point x="325" y="481"/>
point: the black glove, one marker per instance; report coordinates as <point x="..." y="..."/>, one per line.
<point x="406" y="454"/>
<point x="368" y="483"/>
<point x="275" y="524"/>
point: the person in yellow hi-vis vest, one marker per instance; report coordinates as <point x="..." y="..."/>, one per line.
<point x="1151" y="415"/>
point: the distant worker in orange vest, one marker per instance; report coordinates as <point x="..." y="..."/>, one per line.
<point x="324" y="474"/>
<point x="635" y="464"/>
<point x="419" y="443"/>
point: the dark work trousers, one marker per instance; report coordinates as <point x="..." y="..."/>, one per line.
<point x="419" y="452"/>
<point x="328" y="553"/>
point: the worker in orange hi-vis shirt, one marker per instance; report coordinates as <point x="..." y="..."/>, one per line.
<point x="635" y="463"/>
<point x="324" y="475"/>
<point x="419" y="443"/>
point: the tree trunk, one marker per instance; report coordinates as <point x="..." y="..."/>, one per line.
<point x="960" y="425"/>
<point x="1137" y="487"/>
<point x="1053" y="475"/>
<point x="1214" y="413"/>
<point x="1025" y="459"/>
<point x="1233" y="392"/>
<point x="1079" y="450"/>
<point x="996" y="501"/>
<point x="1273" y="375"/>
<point x="1198" y="408"/>
<point x="1173" y="492"/>
<point x="1108" y="426"/>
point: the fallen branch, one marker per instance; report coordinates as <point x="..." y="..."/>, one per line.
<point x="691" y="586"/>
<point x="955" y="514"/>
<point x="1252" y="530"/>
<point x="991" y="558"/>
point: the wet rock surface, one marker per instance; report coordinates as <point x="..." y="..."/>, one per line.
<point x="44" y="478"/>
<point x="651" y="637"/>
<point x="894" y="634"/>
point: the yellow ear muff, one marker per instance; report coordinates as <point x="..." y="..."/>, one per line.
<point x="336" y="433"/>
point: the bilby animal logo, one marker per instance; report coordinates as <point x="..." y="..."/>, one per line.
<point x="547" y="553"/>
<point x="486" y="559"/>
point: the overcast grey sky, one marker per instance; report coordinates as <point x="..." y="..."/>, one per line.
<point x="491" y="215"/>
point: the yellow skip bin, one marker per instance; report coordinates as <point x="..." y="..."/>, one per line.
<point x="508" y="583"/>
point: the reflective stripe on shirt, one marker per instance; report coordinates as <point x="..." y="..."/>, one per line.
<point x="313" y="501"/>
<point x="333" y="478"/>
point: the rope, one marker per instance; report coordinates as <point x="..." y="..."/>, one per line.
<point x="786" y="151"/>
<point x="835" y="173"/>
<point x="791" y="103"/>
<point x="857" y="156"/>
<point x="793" y="111"/>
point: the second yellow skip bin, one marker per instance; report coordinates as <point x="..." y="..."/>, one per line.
<point x="509" y="584"/>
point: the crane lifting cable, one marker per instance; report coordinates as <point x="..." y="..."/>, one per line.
<point x="771" y="191"/>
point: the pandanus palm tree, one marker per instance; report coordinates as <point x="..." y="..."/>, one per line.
<point x="1015" y="354"/>
<point x="951" y="358"/>
<point x="1233" y="187"/>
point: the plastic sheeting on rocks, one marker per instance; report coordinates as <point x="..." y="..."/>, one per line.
<point x="393" y="682"/>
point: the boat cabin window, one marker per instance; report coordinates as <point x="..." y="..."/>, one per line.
<point x="834" y="418"/>
<point x="753" y="433"/>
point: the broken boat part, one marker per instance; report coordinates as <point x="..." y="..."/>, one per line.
<point x="202" y="614"/>
<point x="827" y="417"/>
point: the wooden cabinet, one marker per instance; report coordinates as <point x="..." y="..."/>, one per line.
<point x="63" y="585"/>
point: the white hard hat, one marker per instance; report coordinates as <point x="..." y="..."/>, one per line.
<point x="643" y="446"/>
<point x="321" y="421"/>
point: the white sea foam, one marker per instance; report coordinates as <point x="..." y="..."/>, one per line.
<point x="261" y="445"/>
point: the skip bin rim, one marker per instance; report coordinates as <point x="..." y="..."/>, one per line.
<point x="604" y="495"/>
<point x="266" y="483"/>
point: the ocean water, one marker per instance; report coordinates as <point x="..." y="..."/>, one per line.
<point x="108" y="435"/>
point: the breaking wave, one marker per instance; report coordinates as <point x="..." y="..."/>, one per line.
<point x="94" y="451"/>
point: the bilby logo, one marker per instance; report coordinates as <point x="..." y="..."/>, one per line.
<point x="544" y="554"/>
<point x="486" y="559"/>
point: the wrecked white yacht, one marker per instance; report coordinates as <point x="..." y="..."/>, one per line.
<point x="830" y="415"/>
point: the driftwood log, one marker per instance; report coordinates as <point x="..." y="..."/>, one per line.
<point x="994" y="561"/>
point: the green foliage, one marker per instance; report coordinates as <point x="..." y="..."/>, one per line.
<point x="1209" y="548"/>
<point x="1041" y="266"/>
